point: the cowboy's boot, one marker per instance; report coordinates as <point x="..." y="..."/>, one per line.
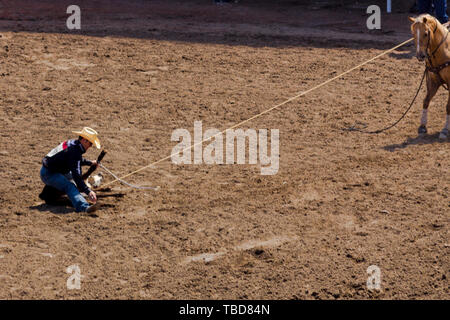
<point x="50" y="195"/>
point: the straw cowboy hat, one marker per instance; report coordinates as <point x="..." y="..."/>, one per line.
<point x="90" y="135"/>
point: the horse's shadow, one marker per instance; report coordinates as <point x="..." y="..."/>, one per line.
<point x="419" y="140"/>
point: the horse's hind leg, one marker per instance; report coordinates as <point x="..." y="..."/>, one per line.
<point x="444" y="132"/>
<point x="432" y="87"/>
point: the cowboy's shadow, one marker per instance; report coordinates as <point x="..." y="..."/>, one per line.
<point x="53" y="208"/>
<point x="419" y="140"/>
<point x="64" y="206"/>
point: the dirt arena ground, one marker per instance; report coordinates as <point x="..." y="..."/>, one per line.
<point x="340" y="202"/>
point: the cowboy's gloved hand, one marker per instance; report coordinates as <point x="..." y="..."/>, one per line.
<point x="93" y="196"/>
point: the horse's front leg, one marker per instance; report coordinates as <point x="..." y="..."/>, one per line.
<point x="444" y="133"/>
<point x="433" y="84"/>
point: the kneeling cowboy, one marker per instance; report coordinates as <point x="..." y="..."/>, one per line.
<point x="63" y="163"/>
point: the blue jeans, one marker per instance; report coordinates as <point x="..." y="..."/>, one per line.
<point x="439" y="5"/>
<point x="62" y="183"/>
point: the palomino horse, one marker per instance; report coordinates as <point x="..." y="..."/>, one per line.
<point x="432" y="45"/>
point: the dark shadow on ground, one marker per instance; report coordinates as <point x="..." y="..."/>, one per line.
<point x="112" y="195"/>
<point x="54" y="208"/>
<point x="64" y="205"/>
<point x="404" y="54"/>
<point x="425" y="140"/>
<point x="318" y="23"/>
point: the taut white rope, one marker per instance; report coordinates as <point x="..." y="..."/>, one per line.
<point x="126" y="183"/>
<point x="268" y="110"/>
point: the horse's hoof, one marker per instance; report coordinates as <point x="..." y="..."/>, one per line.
<point x="444" y="134"/>
<point x="422" y="130"/>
